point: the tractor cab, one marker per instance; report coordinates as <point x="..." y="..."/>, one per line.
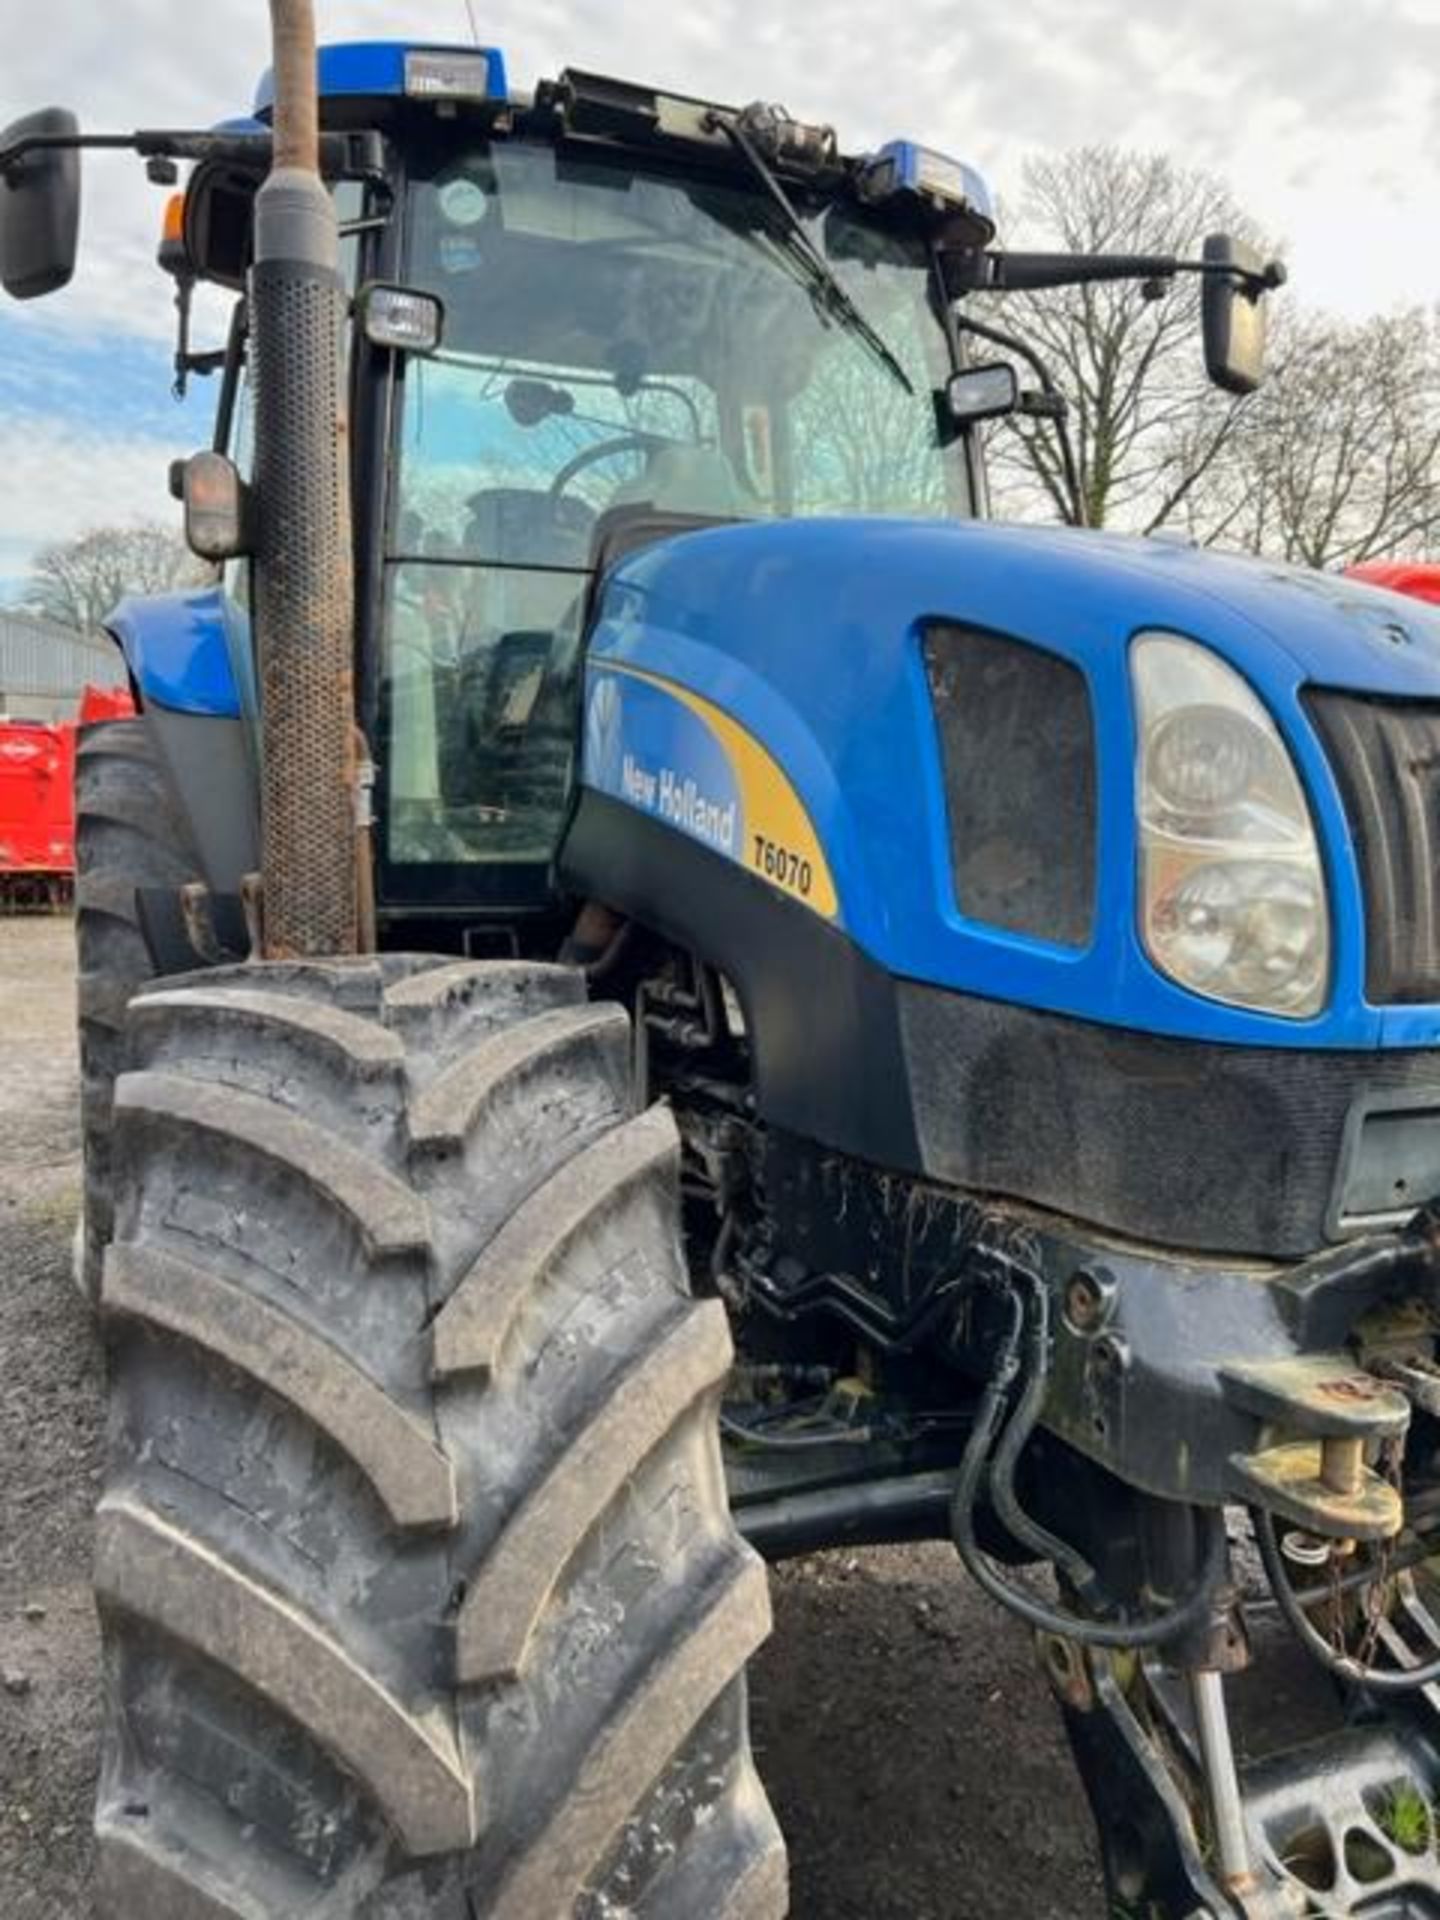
<point x="583" y="320"/>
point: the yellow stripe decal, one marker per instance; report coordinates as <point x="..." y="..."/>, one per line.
<point x="779" y="842"/>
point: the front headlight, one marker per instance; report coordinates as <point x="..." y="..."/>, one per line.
<point x="1232" y="893"/>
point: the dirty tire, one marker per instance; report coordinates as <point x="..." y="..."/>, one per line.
<point x="129" y="833"/>
<point x="419" y="1591"/>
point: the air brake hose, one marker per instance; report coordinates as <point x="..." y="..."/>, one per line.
<point x="1068" y="1626"/>
<point x="1379" y="1679"/>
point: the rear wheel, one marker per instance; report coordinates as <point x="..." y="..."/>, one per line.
<point x="129" y="833"/>
<point x="419" y="1589"/>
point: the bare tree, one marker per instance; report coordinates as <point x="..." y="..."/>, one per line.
<point x="863" y="443"/>
<point x="1127" y="357"/>
<point x="77" y="582"/>
<point x="1338" y="456"/>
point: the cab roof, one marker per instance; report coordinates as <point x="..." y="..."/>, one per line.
<point x="381" y="69"/>
<point x="445" y="73"/>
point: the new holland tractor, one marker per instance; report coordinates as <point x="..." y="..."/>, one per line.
<point x="657" y="991"/>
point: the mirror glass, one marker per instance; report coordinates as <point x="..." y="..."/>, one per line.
<point x="982" y="393"/>
<point x="39" y="206"/>
<point x="1233" y="317"/>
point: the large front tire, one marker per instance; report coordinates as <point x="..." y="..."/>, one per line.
<point x="129" y="834"/>
<point x="419" y="1590"/>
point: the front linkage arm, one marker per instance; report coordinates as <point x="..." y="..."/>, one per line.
<point x="1298" y="1407"/>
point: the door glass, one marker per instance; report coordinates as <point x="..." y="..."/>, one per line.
<point x="481" y="710"/>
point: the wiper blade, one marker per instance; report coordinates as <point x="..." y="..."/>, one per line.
<point x="820" y="276"/>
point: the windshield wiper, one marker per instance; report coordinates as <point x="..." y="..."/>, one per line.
<point x="830" y="294"/>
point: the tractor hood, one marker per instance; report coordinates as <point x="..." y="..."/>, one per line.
<point x="1045" y="583"/>
<point x="777" y="672"/>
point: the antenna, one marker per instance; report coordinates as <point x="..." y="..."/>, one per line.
<point x="470" y="16"/>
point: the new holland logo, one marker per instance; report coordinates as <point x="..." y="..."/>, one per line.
<point x="678" y="799"/>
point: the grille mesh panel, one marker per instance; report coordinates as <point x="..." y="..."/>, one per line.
<point x="1018" y="743"/>
<point x="1386" y="758"/>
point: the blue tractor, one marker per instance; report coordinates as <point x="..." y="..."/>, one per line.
<point x="658" y="991"/>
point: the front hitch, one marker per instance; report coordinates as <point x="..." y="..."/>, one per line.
<point x="1333" y="1421"/>
<point x="1219" y="1383"/>
<point x="1292" y="1391"/>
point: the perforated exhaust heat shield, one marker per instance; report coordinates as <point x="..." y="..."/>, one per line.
<point x="304" y="592"/>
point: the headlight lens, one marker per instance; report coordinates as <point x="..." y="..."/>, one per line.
<point x="1202" y="759"/>
<point x="1232" y="891"/>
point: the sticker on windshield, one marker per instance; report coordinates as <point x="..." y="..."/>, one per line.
<point x="463" y="201"/>
<point x="662" y="749"/>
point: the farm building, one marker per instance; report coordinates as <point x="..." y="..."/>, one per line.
<point x="44" y="666"/>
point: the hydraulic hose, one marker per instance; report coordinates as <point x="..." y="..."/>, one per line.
<point x="797" y="1441"/>
<point x="1151" y="1632"/>
<point x="1022" y="1423"/>
<point x="1379" y="1679"/>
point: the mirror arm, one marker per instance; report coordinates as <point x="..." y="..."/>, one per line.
<point x="1264" y="279"/>
<point x="1052" y="405"/>
<point x="998" y="337"/>
<point x="1031" y="272"/>
<point x="1037" y="404"/>
<point x="349" y="156"/>
<point x="20" y="150"/>
<point x="184" y="301"/>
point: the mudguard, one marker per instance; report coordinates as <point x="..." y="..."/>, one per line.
<point x="190" y="663"/>
<point x="188" y="652"/>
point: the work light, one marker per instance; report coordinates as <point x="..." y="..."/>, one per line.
<point x="1232" y="893"/>
<point x="441" y="73"/>
<point x="397" y="317"/>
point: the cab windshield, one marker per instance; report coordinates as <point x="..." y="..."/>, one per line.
<point x="613" y="339"/>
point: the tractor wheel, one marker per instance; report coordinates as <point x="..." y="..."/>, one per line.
<point x="129" y="833"/>
<point x="419" y="1591"/>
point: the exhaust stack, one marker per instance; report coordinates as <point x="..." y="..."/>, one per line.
<point x="304" y="590"/>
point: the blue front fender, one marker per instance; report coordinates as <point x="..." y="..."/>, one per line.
<point x="187" y="652"/>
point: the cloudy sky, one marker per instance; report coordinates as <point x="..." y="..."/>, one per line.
<point x="1324" y="116"/>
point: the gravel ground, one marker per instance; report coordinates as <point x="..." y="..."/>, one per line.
<point x="909" y="1744"/>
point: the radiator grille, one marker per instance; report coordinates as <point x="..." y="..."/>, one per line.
<point x="1018" y="742"/>
<point x="1386" y="759"/>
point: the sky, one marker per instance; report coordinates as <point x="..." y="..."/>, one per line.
<point x="1322" y="115"/>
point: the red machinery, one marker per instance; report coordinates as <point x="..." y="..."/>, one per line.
<point x="104" y="703"/>
<point x="1419" y="578"/>
<point x="37" y="832"/>
<point x="37" y="814"/>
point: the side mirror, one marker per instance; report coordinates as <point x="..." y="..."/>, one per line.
<point x="39" y="205"/>
<point x="1232" y="312"/>
<point x="981" y="393"/>
<point x="217" y="222"/>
